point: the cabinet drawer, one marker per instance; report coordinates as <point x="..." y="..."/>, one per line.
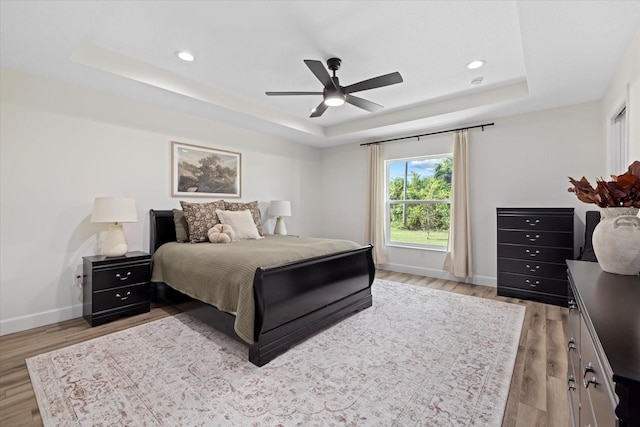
<point x="533" y="268"/>
<point x="536" y="238"/>
<point x="121" y="276"/>
<point x="535" y="253"/>
<point x="535" y="222"/>
<point x="119" y="297"/>
<point x="533" y="283"/>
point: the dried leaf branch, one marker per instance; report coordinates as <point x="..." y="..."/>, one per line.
<point x="622" y="191"/>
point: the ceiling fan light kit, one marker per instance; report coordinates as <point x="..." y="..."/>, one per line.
<point x="335" y="95"/>
<point x="334" y="99"/>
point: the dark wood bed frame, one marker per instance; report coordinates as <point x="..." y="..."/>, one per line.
<point x="293" y="301"/>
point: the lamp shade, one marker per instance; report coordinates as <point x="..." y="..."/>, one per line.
<point x="114" y="209"/>
<point x="280" y="208"/>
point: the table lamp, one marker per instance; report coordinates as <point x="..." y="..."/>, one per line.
<point x="279" y="209"/>
<point x="115" y="210"/>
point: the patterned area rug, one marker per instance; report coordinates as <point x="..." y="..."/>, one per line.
<point x="417" y="357"/>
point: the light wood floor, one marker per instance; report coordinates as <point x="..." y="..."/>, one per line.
<point x="538" y="387"/>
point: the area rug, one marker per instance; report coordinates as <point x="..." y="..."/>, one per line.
<point x="417" y="357"/>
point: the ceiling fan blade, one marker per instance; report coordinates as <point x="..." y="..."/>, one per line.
<point x="380" y="81"/>
<point x="320" y="109"/>
<point x="292" y="93"/>
<point x="372" y="107"/>
<point x="317" y="68"/>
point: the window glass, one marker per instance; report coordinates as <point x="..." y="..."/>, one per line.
<point x="418" y="202"/>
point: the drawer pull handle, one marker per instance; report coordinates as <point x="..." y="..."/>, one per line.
<point x="571" y="345"/>
<point x="532" y="239"/>
<point x="533" y="270"/>
<point x="593" y="380"/>
<point x="588" y="369"/>
<point x="534" y="223"/>
<point x="125" y="277"/>
<point x="122" y="298"/>
<point x="533" y="285"/>
<point x="536" y="253"/>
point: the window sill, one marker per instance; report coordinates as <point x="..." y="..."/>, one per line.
<point x="420" y="248"/>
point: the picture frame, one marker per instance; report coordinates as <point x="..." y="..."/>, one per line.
<point x="198" y="171"/>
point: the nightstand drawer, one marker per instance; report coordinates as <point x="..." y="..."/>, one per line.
<point x="121" y="276"/>
<point x="535" y="253"/>
<point x="119" y="297"/>
<point x="536" y="238"/>
<point x="532" y="268"/>
<point x="531" y="283"/>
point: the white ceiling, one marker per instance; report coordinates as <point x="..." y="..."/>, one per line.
<point x="539" y="54"/>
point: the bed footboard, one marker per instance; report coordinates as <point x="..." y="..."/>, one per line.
<point x="297" y="299"/>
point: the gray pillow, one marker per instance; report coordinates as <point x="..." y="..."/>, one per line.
<point x="182" y="228"/>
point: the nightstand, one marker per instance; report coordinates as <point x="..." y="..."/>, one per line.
<point x="115" y="286"/>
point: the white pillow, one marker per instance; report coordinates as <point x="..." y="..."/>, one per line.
<point x="241" y="222"/>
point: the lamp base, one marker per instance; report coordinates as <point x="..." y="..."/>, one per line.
<point x="115" y="243"/>
<point x="280" y="228"/>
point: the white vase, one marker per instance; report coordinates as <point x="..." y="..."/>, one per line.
<point x="616" y="241"/>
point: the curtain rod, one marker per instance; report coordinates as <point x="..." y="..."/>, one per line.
<point x="427" y="134"/>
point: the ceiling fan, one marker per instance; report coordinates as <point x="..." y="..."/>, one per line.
<point x="334" y="94"/>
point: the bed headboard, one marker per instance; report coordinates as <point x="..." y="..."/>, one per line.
<point x="163" y="229"/>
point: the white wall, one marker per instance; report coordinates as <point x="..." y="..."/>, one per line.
<point x="625" y="87"/>
<point x="61" y="146"/>
<point x="522" y="161"/>
<point x="344" y="191"/>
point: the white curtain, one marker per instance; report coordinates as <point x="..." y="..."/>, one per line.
<point x="458" y="258"/>
<point x="375" y="220"/>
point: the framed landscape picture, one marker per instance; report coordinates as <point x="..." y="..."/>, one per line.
<point x="204" y="172"/>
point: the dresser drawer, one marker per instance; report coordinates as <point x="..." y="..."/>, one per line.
<point x="600" y="396"/>
<point x="533" y="283"/>
<point x="121" y="276"/>
<point x="120" y="297"/>
<point x="532" y="268"/>
<point x="535" y="222"/>
<point x="536" y="238"/>
<point x="535" y="253"/>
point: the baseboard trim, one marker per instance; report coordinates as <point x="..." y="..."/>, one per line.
<point x="439" y="274"/>
<point x="22" y="323"/>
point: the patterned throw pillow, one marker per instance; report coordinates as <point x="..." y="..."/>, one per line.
<point x="251" y="206"/>
<point x="200" y="218"/>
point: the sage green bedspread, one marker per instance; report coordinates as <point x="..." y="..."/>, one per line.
<point x="222" y="274"/>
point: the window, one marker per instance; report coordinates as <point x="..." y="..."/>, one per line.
<point x="418" y="201"/>
<point x="619" y="144"/>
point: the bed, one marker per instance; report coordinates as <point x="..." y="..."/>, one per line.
<point x="291" y="301"/>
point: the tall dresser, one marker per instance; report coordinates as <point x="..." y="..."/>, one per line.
<point x="533" y="244"/>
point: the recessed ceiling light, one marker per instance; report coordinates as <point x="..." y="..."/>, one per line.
<point x="185" y="56"/>
<point x="474" y="65"/>
<point x="476" y="81"/>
